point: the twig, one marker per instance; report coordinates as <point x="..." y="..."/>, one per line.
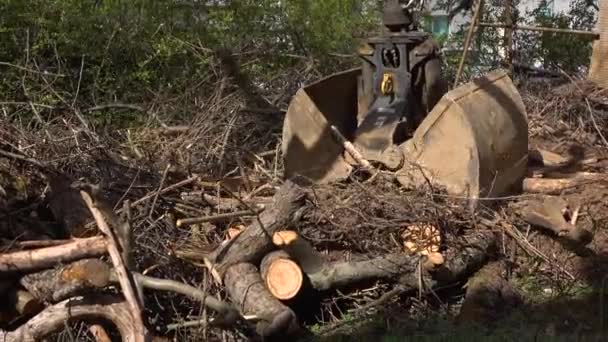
<point x="160" y="186"/>
<point x="126" y="281"/>
<point x="30" y="70"/>
<point x="23" y="158"/>
<point x="116" y="105"/>
<point x="575" y="215"/>
<point x="528" y="248"/>
<point x="165" y="190"/>
<point x="350" y="148"/>
<point x="202" y="219"/>
<point x="229" y="313"/>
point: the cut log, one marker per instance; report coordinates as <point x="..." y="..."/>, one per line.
<point x="556" y="186"/>
<point x="283" y="276"/>
<point x="307" y="257"/>
<point x="32" y="260"/>
<point x="53" y="318"/>
<point x="547" y="212"/>
<point x="57" y="284"/>
<point x="466" y="255"/>
<point x="255" y="241"/>
<point x="23" y="302"/>
<point x="246" y="288"/>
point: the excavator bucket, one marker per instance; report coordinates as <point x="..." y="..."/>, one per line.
<point x="474" y="142"/>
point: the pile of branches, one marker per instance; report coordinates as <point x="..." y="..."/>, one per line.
<point x="175" y="229"/>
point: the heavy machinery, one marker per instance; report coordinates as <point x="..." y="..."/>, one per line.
<point x="398" y="113"/>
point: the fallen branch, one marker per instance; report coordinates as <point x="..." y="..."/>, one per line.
<point x="282" y="276"/>
<point x="58" y="284"/>
<point x="31" y="260"/>
<point x="218" y="217"/>
<point x="255" y="241"/>
<point x="125" y="278"/>
<point x="53" y="318"/>
<point x="556" y="186"/>
<point x="466" y="257"/>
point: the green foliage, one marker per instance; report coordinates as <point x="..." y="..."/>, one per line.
<point x="131" y="50"/>
<point x="561" y="50"/>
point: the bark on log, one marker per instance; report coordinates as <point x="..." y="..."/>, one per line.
<point x="246" y="288"/>
<point x="256" y="240"/>
<point x="53" y="318"/>
<point x="57" y="284"/>
<point x="31" y="260"/>
<point x="65" y="282"/>
<point x="465" y="256"/>
<point x="282" y="276"/>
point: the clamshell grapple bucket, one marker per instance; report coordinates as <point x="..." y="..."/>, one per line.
<point x="474" y="142"/>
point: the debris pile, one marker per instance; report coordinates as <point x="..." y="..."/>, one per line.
<point x="159" y="250"/>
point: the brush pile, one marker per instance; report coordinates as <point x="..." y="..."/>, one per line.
<point x="180" y="231"/>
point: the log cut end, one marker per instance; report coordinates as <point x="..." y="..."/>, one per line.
<point x="284" y="279"/>
<point x="284" y="238"/>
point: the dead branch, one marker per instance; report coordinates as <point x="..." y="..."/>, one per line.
<point x="56" y="284"/>
<point x="70" y="280"/>
<point x="31" y="260"/>
<point x="255" y="241"/>
<point x="458" y="263"/>
<point x="218" y="217"/>
<point x="125" y="278"/>
<point x="228" y="313"/>
<point x="556" y="186"/>
<point x="53" y="318"/>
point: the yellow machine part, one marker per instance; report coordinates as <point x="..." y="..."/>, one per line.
<point x="474" y="142"/>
